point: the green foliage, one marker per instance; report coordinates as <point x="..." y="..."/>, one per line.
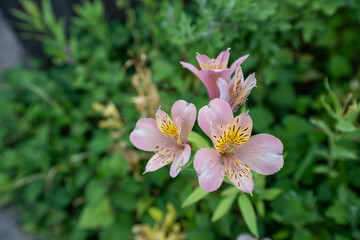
<point x="223" y="207"/>
<point x="99" y="215"/>
<point x="194" y="197"/>
<point x="197" y="140"/>
<point x="248" y="214"/>
<point x="72" y="179"/>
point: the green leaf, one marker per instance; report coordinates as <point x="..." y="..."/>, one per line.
<point x="100" y="142"/>
<point x="297" y="125"/>
<point x="162" y="69"/>
<point x="248" y="213"/>
<point x="323" y="126"/>
<point x="118" y="164"/>
<point x="345" y="126"/>
<point x="197" y="140"/>
<point x="324" y="169"/>
<point x="262" y="118"/>
<point x="321" y="169"/>
<point x="339" y="66"/>
<point x="335" y="100"/>
<point x="194" y="197"/>
<point x="260" y="208"/>
<point x="98" y="216"/>
<point x="47" y="13"/>
<point x="338" y="212"/>
<point x="304" y="165"/>
<point x="271" y="193"/>
<point x="95" y="191"/>
<point x="156" y="214"/>
<point x="343" y="153"/>
<point x="230" y="191"/>
<point x="196" y="234"/>
<point x="124" y="200"/>
<point x="301" y="234"/>
<point x="328" y="108"/>
<point x="223" y="207"/>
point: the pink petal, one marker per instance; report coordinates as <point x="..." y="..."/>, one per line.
<point x="217" y="112"/>
<point x="204" y="61"/>
<point x="238" y="62"/>
<point x="209" y="78"/>
<point x="241" y="91"/>
<point x="162" y="157"/>
<point x="146" y="135"/>
<point x="263" y="153"/>
<point x="223" y="59"/>
<point x="186" y="111"/>
<point x="224" y="89"/>
<point x="180" y="160"/>
<point x="209" y="168"/>
<point x="191" y="67"/>
<point x="237" y="79"/>
<point x="238" y="173"/>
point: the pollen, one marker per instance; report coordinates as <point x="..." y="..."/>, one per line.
<point x="232" y="136"/>
<point x="167" y="126"/>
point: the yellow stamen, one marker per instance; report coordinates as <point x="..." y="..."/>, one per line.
<point x="168" y="127"/>
<point x="232" y="137"/>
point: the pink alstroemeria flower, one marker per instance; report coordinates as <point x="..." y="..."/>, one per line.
<point x="213" y="69"/>
<point x="261" y="153"/>
<point x="236" y="90"/>
<point x="167" y="138"/>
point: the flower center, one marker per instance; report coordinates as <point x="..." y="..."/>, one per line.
<point x="231" y="136"/>
<point x="168" y="127"/>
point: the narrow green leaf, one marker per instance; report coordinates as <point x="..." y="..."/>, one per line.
<point x="197" y="140"/>
<point x="327" y="107"/>
<point x="223" y="207"/>
<point x="324" y="169"/>
<point x="323" y="126"/>
<point x="194" y="197"/>
<point x="336" y="102"/>
<point x="304" y="165"/>
<point x="260" y="208"/>
<point x="248" y="213"/>
<point x="321" y="169"/>
<point x="344" y="153"/>
<point x="47" y="13"/>
<point x="353" y="135"/>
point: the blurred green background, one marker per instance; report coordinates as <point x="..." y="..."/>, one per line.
<point x="66" y="161"/>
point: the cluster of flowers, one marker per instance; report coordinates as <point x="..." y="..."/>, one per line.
<point x="235" y="153"/>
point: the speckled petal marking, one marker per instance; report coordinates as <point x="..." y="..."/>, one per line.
<point x="238" y="173"/>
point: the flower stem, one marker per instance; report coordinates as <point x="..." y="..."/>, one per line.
<point x="189" y="163"/>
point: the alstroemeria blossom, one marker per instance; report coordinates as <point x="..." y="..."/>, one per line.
<point x="235" y="153"/>
<point x="236" y="90"/>
<point x="213" y="69"/>
<point x="166" y="137"/>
